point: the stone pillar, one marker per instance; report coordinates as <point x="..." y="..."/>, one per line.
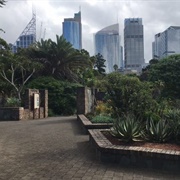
<point x="85" y="100"/>
<point x="80" y="101"/>
<point x="44" y="101"/>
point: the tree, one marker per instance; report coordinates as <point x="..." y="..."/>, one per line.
<point x="167" y="70"/>
<point x="15" y="69"/>
<point x="129" y="95"/>
<point x="115" y="67"/>
<point x="2" y="3"/>
<point x="59" y="58"/>
<point x="99" y="63"/>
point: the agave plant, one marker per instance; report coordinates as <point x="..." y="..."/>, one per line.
<point x="127" y="129"/>
<point x="157" y="131"/>
<point x="173" y="117"/>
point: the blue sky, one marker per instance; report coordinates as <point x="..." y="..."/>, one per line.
<point x="157" y="16"/>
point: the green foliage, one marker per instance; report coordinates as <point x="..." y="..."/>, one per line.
<point x="127" y="128"/>
<point x="61" y="94"/>
<point x="157" y="131"/>
<point x="173" y="117"/>
<point x="166" y="70"/>
<point x="59" y="58"/>
<point x="103" y="108"/>
<point x="15" y="69"/>
<point x="99" y="63"/>
<point x="2" y="3"/>
<point x="129" y="95"/>
<point x="12" y="102"/>
<point x="102" y="119"/>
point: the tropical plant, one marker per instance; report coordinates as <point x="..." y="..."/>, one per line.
<point x="157" y="131"/>
<point x="173" y="117"/>
<point x="59" y="58"/>
<point x="2" y="3"/>
<point x="99" y="63"/>
<point x="127" y="128"/>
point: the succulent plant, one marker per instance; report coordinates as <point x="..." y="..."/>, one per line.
<point x="127" y="128"/>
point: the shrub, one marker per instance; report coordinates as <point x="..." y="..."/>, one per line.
<point x="102" y="119"/>
<point x="61" y="94"/>
<point x="173" y="117"/>
<point x="129" y="95"/>
<point x="103" y="108"/>
<point x="127" y="129"/>
<point x="12" y="102"/>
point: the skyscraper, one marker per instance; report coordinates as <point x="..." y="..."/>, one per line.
<point x="72" y="30"/>
<point x="27" y="37"/>
<point x="166" y="43"/>
<point x="107" y="43"/>
<point x="133" y="43"/>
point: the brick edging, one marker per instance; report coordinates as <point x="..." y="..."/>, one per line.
<point x="103" y="144"/>
<point x="87" y="124"/>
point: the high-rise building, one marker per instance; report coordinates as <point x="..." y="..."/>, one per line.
<point x="133" y="44"/>
<point x="27" y="37"/>
<point x="166" y="43"/>
<point x="72" y="30"/>
<point x="107" y="43"/>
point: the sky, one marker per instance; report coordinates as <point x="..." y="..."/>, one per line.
<point x="157" y="16"/>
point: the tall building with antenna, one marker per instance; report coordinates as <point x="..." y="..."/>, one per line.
<point x="72" y="30"/>
<point x="27" y="37"/>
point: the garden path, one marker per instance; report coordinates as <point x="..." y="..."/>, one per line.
<point x="56" y="148"/>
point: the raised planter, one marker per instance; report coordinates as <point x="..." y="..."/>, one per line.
<point x="134" y="156"/>
<point x="87" y="124"/>
<point x="11" y="113"/>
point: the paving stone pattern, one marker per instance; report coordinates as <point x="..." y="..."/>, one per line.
<point x="55" y="148"/>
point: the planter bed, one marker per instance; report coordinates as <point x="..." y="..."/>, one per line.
<point x="146" y="157"/>
<point x="87" y="124"/>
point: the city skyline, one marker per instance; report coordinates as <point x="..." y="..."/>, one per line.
<point x="72" y="30"/>
<point x="95" y="16"/>
<point x="133" y="44"/>
<point x="166" y="43"/>
<point x="107" y="43"/>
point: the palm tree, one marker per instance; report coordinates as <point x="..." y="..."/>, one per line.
<point x="99" y="63"/>
<point x="2" y="3"/>
<point x="60" y="59"/>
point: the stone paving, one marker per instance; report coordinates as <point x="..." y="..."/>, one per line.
<point x="55" y="148"/>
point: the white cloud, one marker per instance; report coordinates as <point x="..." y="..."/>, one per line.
<point x="96" y="14"/>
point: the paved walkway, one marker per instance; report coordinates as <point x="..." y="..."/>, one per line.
<point x="55" y="148"/>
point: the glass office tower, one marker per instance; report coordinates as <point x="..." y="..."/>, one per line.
<point x="167" y="43"/>
<point x="133" y="44"/>
<point x="72" y="30"/>
<point x="27" y="37"/>
<point x="107" y="43"/>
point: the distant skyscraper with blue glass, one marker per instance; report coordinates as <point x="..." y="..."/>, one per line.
<point x="166" y="43"/>
<point x="133" y="44"/>
<point x="72" y="30"/>
<point x="107" y="43"/>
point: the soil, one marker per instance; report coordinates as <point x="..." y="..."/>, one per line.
<point x="116" y="141"/>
